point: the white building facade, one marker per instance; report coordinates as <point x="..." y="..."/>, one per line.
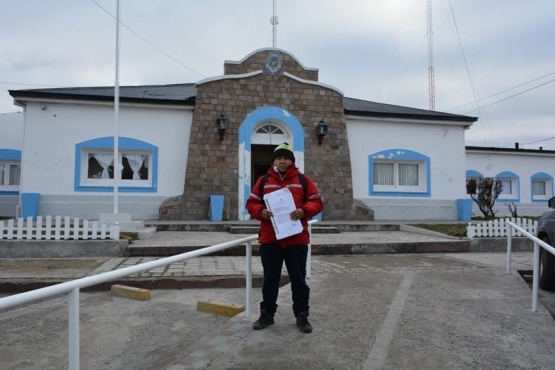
<point x="392" y="162"/>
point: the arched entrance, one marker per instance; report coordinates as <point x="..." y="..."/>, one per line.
<point x="264" y="138"/>
<point x="260" y="132"/>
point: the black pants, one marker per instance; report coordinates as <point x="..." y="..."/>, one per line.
<point x="273" y="256"/>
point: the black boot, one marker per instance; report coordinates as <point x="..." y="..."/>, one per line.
<point x="264" y="320"/>
<point x="302" y="322"/>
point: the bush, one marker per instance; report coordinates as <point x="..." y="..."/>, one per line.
<point x="486" y="191"/>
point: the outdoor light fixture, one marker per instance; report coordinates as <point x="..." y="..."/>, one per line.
<point x="222" y="122"/>
<point x="321" y="130"/>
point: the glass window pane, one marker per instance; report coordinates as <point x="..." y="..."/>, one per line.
<point x="2" y="173"/>
<point x="135" y="166"/>
<point x="408" y="174"/>
<point x="384" y="174"/>
<point x="15" y="174"/>
<point x="95" y="169"/>
<point x="507" y="186"/>
<point x="539" y="187"/>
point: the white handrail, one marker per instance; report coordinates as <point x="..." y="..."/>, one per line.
<point x="536" y="272"/>
<point x="88" y="281"/>
<point x="73" y="287"/>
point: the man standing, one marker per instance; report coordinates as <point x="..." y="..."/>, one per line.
<point x="292" y="250"/>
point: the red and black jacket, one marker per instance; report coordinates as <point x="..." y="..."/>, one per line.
<point x="308" y="199"/>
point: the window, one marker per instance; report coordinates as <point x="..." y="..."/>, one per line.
<point x="10" y="171"/>
<point x="9" y="175"/>
<point x="510" y="191"/>
<point x="100" y="166"/>
<point x="507" y="186"/>
<point x="95" y="165"/>
<point x="396" y="174"/>
<point x="270" y="133"/>
<point x="471" y="174"/>
<point x="471" y="188"/>
<point x="399" y="172"/>
<point x="542" y="187"/>
<point x="539" y="188"/>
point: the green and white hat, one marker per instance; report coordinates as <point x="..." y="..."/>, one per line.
<point x="285" y="150"/>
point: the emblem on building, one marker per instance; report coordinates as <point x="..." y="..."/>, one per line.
<point x="273" y="63"/>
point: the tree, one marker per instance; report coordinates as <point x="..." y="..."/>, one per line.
<point x="484" y="191"/>
<point x="512" y="208"/>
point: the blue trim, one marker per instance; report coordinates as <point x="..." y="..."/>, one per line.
<point x="399" y="155"/>
<point x="269" y="113"/>
<point x="473" y="174"/>
<point x="509" y="175"/>
<point x="9" y="192"/>
<point x="10" y="155"/>
<point x="124" y="143"/>
<point x="540" y="176"/>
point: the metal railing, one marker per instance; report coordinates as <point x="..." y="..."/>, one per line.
<point x="536" y="272"/>
<point x="73" y="287"/>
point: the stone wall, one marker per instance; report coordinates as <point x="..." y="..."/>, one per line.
<point x="212" y="166"/>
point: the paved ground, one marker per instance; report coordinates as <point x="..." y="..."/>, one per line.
<point x="379" y="311"/>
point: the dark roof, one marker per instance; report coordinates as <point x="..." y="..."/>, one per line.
<point x="508" y="150"/>
<point x="167" y="94"/>
<point x="373" y="109"/>
<point x="186" y="93"/>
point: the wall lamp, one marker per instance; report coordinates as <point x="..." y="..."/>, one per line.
<point x="222" y="122"/>
<point x="321" y="130"/>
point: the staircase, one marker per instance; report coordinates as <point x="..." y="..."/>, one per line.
<point x="348" y="237"/>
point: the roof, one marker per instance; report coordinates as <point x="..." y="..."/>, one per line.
<point x="166" y="94"/>
<point x="373" y="109"/>
<point x="185" y="94"/>
<point x="509" y="150"/>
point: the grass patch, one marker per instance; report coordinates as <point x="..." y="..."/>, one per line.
<point x="458" y="230"/>
<point x="129" y="236"/>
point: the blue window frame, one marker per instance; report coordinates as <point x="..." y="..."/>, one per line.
<point x="541" y="187"/>
<point x="10" y="171"/>
<point x="472" y="174"/>
<point x="94" y="165"/>
<point x="511" y="187"/>
<point x="399" y="172"/>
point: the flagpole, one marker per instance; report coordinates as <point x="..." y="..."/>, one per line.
<point x="117" y="170"/>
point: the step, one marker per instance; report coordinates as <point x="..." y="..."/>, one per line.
<point x="252" y="226"/>
<point x="447" y="246"/>
<point x="254" y="229"/>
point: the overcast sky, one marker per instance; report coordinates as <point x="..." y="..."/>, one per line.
<point x="493" y="59"/>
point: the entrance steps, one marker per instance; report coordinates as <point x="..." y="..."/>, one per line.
<point x="328" y="238"/>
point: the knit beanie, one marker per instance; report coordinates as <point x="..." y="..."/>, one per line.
<point x="285" y="150"/>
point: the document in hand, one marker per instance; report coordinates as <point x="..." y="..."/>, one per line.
<point x="281" y="204"/>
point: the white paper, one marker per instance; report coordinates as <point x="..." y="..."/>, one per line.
<point x="281" y="204"/>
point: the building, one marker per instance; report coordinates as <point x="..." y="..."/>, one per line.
<point x="180" y="144"/>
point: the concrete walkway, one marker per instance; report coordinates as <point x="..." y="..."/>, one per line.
<point x="378" y="311"/>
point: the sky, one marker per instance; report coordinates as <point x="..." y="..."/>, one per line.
<point x="492" y="59"/>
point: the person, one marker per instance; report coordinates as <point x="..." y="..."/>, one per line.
<point x="292" y="250"/>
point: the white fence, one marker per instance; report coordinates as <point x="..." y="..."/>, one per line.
<point x="499" y="228"/>
<point x="61" y="228"/>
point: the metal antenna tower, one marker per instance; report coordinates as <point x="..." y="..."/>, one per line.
<point x="274" y="21"/>
<point x="431" y="82"/>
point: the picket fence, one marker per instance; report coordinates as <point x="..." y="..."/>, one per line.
<point x="63" y="228"/>
<point x="499" y="228"/>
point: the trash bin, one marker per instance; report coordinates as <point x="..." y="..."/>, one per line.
<point x="30" y="204"/>
<point x="464" y="209"/>
<point x="216" y="207"/>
